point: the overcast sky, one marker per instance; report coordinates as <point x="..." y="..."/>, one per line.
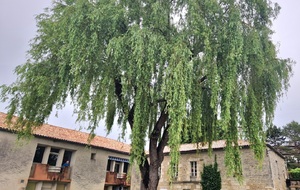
<point x="18" y="26"/>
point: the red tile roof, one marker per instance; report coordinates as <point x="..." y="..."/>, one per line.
<point x="215" y="145"/>
<point x="59" y="133"/>
<point x="220" y="144"/>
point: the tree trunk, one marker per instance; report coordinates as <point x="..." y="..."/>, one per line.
<point x="150" y="172"/>
<point x="149" y="176"/>
<point x="153" y="177"/>
<point x="152" y="185"/>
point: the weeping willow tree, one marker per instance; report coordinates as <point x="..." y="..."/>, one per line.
<point x="164" y="69"/>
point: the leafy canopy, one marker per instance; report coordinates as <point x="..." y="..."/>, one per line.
<point x="275" y="136"/>
<point x="286" y="141"/>
<point x="292" y="132"/>
<point x="206" y="65"/>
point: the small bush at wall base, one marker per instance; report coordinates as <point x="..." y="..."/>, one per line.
<point x="295" y="173"/>
<point x="211" y="177"/>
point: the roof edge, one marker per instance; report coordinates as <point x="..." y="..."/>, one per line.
<point x="277" y="152"/>
<point x="64" y="140"/>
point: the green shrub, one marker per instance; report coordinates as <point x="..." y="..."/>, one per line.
<point x="295" y="173"/>
<point x="211" y="177"/>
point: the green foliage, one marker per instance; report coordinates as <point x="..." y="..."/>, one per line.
<point x="295" y="173"/>
<point x="211" y="177"/>
<point x="166" y="68"/>
<point x="275" y="136"/>
<point x="292" y="164"/>
<point x="289" y="134"/>
<point x="292" y="132"/>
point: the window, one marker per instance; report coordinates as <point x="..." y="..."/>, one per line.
<point x="39" y="153"/>
<point x="93" y="156"/>
<point x="193" y="169"/>
<point x="117" y="167"/>
<point x="108" y="165"/>
<point x="53" y="156"/>
<point x="67" y="156"/>
<point x="125" y="169"/>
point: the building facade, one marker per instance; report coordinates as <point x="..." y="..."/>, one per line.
<point x="271" y="175"/>
<point x="61" y="159"/>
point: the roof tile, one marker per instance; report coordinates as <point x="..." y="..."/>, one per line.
<point x="59" y="133"/>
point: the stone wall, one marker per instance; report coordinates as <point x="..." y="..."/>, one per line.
<point x="86" y="173"/>
<point x="15" y="162"/>
<point x="270" y="176"/>
<point x="90" y="173"/>
<point x="279" y="170"/>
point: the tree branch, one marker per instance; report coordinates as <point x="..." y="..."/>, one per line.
<point x="162" y="144"/>
<point x="203" y="79"/>
<point x="155" y="155"/>
<point x="159" y="124"/>
<point x="131" y="116"/>
<point x="118" y="89"/>
<point x="118" y="92"/>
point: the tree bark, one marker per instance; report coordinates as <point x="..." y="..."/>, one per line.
<point x="150" y="173"/>
<point x="158" y="141"/>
